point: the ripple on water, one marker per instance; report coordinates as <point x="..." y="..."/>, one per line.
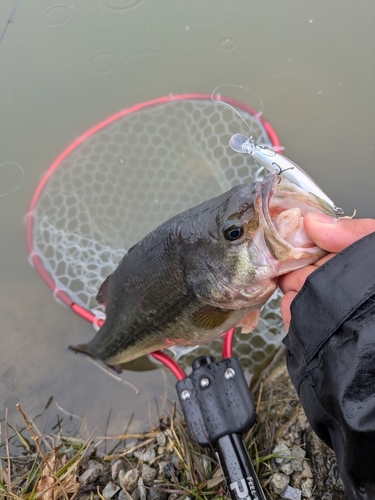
<point x="228" y="44"/>
<point x="116" y="7"/>
<point x="12" y="176"/>
<point x="57" y="16"/>
<point x="104" y="63"/>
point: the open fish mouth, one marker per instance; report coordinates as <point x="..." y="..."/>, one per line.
<point x="284" y="205"/>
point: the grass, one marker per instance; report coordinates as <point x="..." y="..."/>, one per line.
<point x="48" y="466"/>
<point x="46" y="469"/>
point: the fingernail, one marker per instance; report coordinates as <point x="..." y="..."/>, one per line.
<point x="327" y="219"/>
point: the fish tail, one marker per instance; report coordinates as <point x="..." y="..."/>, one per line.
<point x="82" y="349"/>
<point x="85" y="349"/>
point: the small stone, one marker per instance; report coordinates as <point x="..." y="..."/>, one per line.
<point x="170" y="472"/>
<point x="161" y="465"/>
<point x="96" y="464"/>
<point x="94" y="470"/>
<point x="135" y="494"/>
<point x="207" y="467"/>
<point x="303" y="422"/>
<point x="161" y="438"/>
<point x="169" y="445"/>
<point x="176" y="461"/>
<point x="142" y="490"/>
<point x="307" y="483"/>
<point x="291" y="493"/>
<point x="130" y="480"/>
<point x="154" y="493"/>
<point x="282" y="449"/>
<point x="306" y="493"/>
<point x="116" y="468"/>
<point x="279" y="482"/>
<point x="121" y="475"/>
<point x="295" y="480"/>
<point x="298" y="454"/>
<point x="121" y="496"/>
<point x="146" y="455"/>
<point x="110" y="490"/>
<point x="306" y="470"/>
<point x="307" y="487"/>
<point x="286" y="468"/>
<point x="295" y="436"/>
<point x="148" y="474"/>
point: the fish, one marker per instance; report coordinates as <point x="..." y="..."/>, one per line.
<point x="205" y="270"/>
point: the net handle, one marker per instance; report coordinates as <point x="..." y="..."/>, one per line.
<point x="176" y="369"/>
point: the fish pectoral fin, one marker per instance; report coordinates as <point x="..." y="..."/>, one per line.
<point x="102" y="294"/>
<point x="250" y="321"/>
<point x="210" y="317"/>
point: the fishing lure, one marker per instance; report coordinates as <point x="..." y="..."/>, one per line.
<point x="280" y="165"/>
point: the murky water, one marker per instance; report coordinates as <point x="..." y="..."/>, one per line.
<point x="65" y="66"/>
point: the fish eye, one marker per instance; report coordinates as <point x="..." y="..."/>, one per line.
<point x="233" y="232"/>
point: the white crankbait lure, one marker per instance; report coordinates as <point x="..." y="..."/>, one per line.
<point x="280" y="165"/>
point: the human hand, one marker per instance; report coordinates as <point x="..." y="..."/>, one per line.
<point x="331" y="234"/>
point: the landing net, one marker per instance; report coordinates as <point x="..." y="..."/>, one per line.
<point x="125" y="176"/>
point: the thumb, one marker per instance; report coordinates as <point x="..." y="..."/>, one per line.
<point x="333" y="234"/>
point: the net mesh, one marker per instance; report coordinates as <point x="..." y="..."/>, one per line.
<point x="128" y="176"/>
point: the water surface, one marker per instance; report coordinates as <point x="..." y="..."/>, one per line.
<point x="65" y="66"/>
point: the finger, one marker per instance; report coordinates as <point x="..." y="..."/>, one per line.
<point x="336" y="234"/>
<point x="324" y="259"/>
<point x="285" y="308"/>
<point x="295" y="280"/>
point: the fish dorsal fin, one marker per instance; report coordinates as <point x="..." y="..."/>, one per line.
<point x="250" y="321"/>
<point x="210" y="317"/>
<point x="102" y="294"/>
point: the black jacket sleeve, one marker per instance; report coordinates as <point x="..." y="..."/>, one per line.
<point x="331" y="360"/>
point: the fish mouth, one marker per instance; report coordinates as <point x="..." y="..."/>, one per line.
<point x="284" y="206"/>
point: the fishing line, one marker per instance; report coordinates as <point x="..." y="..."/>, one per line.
<point x="18" y="184"/>
<point x="225" y="103"/>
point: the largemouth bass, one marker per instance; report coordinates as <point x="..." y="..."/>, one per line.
<point x="205" y="270"/>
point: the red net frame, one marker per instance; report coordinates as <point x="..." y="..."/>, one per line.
<point x="62" y="295"/>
